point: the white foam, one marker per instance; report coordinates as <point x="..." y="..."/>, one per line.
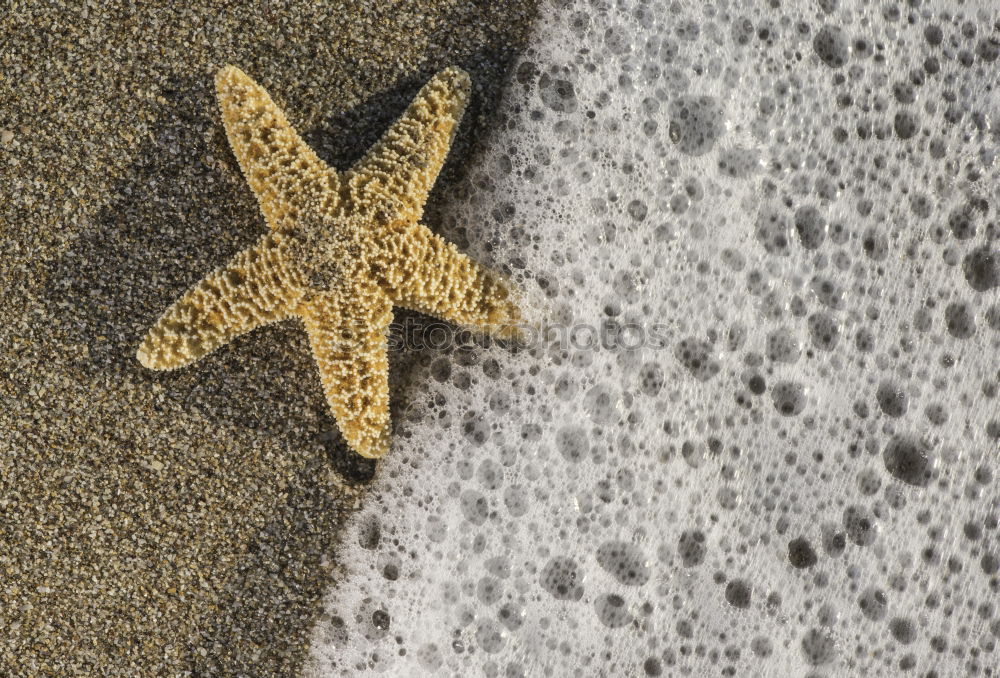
<point x="488" y="500"/>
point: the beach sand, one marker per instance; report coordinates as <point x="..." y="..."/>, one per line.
<point x="183" y="523"/>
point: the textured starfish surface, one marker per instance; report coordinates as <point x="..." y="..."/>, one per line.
<point x="342" y="249"/>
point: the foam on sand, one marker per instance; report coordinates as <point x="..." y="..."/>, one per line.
<point x="762" y="434"/>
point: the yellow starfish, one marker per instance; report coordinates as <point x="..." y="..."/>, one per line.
<point x="343" y="248"/>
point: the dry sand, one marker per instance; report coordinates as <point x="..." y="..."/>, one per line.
<point x="162" y="524"/>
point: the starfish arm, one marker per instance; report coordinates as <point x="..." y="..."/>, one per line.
<point x="348" y="335"/>
<point x="397" y="173"/>
<point x="284" y="173"/>
<point x="255" y="288"/>
<point x="424" y="272"/>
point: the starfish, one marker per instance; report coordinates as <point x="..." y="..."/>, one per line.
<point x="343" y="248"/>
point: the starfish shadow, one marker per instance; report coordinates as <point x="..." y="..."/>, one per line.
<point x="174" y="216"/>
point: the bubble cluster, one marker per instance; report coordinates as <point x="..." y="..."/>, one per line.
<point x="696" y="123"/>
<point x="757" y="428"/>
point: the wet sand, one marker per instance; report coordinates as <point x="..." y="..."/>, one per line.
<point x="182" y="523"/>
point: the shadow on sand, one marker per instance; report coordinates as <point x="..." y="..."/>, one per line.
<point x="181" y="211"/>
